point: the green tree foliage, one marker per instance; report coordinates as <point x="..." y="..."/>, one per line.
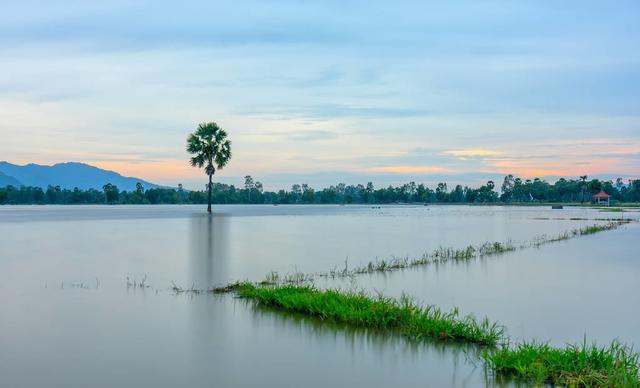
<point x="513" y="189"/>
<point x="111" y="193"/>
<point x="210" y="149"/>
<point x="583" y="186"/>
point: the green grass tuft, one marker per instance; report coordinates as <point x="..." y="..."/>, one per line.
<point x="574" y="366"/>
<point x="401" y="316"/>
<point x="598" y="228"/>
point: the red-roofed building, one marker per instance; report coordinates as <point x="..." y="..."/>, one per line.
<point x="602" y="198"/>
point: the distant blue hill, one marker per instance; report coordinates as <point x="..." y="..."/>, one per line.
<point x="66" y="175"/>
<point x="6" y="180"/>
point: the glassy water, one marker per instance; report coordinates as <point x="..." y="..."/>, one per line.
<point x="69" y="319"/>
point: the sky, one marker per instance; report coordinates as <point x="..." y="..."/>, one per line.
<point x="325" y="92"/>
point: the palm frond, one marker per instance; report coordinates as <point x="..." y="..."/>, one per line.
<point x="224" y="154"/>
<point x="209" y="145"/>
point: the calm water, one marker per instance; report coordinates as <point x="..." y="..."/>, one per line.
<point x="68" y="318"/>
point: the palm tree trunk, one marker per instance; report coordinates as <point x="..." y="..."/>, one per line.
<point x="210" y="184"/>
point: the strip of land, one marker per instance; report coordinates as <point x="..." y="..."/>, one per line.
<point x="402" y="316"/>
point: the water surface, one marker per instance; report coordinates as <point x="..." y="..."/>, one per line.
<point x="68" y="318"/>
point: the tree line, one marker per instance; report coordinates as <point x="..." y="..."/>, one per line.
<point x="512" y="190"/>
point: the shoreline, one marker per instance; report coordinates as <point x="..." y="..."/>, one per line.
<point x="399" y="204"/>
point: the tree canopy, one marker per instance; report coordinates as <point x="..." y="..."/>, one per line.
<point x="211" y="149"/>
<point x="512" y="190"/>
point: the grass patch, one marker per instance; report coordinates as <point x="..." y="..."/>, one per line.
<point x="400" y="316"/>
<point x="574" y="366"/>
<point x="598" y="228"/>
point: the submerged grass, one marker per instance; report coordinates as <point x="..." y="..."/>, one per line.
<point x="587" y="230"/>
<point x="599" y="228"/>
<point x="401" y="316"/>
<point x="438" y="256"/>
<point x="574" y="366"/>
<point x="448" y="254"/>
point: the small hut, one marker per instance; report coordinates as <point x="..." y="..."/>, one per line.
<point x="602" y="198"/>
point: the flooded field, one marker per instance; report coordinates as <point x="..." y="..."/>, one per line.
<point x="71" y="317"/>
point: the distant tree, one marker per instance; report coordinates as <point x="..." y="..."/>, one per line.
<point x="583" y="186"/>
<point x="594" y="186"/>
<point x="308" y="194"/>
<point x="457" y="195"/>
<point x="53" y="194"/>
<point x="470" y="194"/>
<point x="248" y="185"/>
<point x="111" y="193"/>
<point x="634" y="190"/>
<point x="507" y="188"/>
<point x="138" y="195"/>
<point x="211" y="150"/>
<point x="368" y="192"/>
<point x="282" y="197"/>
<point x="486" y="193"/>
<point x="441" y="192"/>
<point x="4" y="194"/>
<point x="181" y="193"/>
<point x="411" y="189"/>
<point x="296" y="193"/>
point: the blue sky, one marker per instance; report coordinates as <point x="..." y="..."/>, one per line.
<point x="327" y="91"/>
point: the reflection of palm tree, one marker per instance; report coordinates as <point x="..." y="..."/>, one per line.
<point x="209" y="250"/>
<point x="583" y="186"/>
<point x="211" y="149"/>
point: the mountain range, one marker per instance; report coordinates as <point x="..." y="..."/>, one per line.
<point x="66" y="175"/>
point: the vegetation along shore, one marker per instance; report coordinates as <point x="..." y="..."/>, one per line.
<point x="512" y="191"/>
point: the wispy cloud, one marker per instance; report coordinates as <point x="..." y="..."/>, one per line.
<point x="313" y="135"/>
<point x="332" y="111"/>
<point x="472" y="152"/>
<point x="305" y="88"/>
<point x="408" y="169"/>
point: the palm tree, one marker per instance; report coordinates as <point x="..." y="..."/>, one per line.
<point x="211" y="150"/>
<point x="583" y="186"/>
